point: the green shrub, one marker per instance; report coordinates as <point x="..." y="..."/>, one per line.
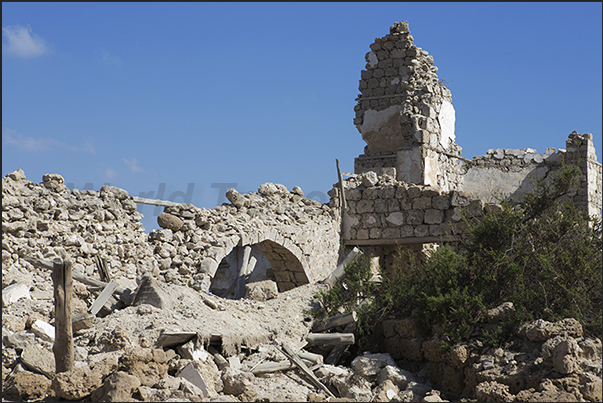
<point x="543" y="254"/>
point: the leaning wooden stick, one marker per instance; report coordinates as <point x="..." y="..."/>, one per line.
<point x="289" y="353"/>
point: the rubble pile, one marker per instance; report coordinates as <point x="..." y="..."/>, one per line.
<point x="153" y="337"/>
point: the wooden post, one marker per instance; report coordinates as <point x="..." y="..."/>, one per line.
<point x="344" y="206"/>
<point x="339" y="320"/>
<point x="330" y="338"/>
<point x="337" y="351"/>
<point x="340" y="269"/>
<point x="289" y="353"/>
<point x="244" y="261"/>
<point x="63" y="341"/>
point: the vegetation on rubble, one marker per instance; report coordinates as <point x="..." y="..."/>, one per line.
<point x="543" y="255"/>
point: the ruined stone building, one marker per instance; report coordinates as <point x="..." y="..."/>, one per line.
<point x="406" y="117"/>
<point x="408" y="188"/>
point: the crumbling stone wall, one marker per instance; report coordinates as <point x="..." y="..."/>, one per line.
<point x="46" y="220"/>
<point x="511" y="173"/>
<point x="383" y="210"/>
<point x="299" y="237"/>
<point x="405" y="114"/>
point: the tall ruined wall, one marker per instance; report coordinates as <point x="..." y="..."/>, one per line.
<point x="405" y="114"/>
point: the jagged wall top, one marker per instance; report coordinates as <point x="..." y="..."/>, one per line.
<point x="402" y="103"/>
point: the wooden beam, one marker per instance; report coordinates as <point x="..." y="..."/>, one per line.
<point x="243" y="263"/>
<point x="340" y="269"/>
<point x="337" y="351"/>
<point x="330" y="339"/>
<point x="156" y="202"/>
<point x="402" y="241"/>
<point x="63" y="341"/>
<point x="76" y="275"/>
<point x="339" y="320"/>
<point x="297" y="361"/>
<point x="102" y="299"/>
<point x="343" y="205"/>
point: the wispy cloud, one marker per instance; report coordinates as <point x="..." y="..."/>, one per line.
<point x="108" y="174"/>
<point x="109" y="59"/>
<point x="40" y="144"/>
<point x="133" y="164"/>
<point x="21" y="42"/>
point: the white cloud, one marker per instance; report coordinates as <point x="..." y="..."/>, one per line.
<point x="39" y="144"/>
<point x="108" y="174"/>
<point x="109" y="59"/>
<point x="133" y="164"/>
<point x="22" y="42"/>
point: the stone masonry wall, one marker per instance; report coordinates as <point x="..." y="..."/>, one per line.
<point x="405" y="113"/>
<point x="298" y="236"/>
<point x="512" y="173"/>
<point x="382" y="208"/>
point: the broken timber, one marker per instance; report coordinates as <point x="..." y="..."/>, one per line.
<point x="63" y="289"/>
<point x="337" y="351"/>
<point x="155" y="202"/>
<point x="339" y="320"/>
<point x="289" y="353"/>
<point x="340" y="269"/>
<point x="103" y="297"/>
<point x="330" y="339"/>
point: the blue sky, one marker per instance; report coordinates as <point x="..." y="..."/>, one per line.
<point x="184" y="100"/>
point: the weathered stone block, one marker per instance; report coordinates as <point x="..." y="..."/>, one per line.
<point x="169" y="221"/>
<point x="395" y="218"/>
<point x="460" y="198"/>
<point x="433" y="216"/>
<point x="370" y="193"/>
<point x="391" y="233"/>
<point x="381" y="206"/>
<point x="422" y="230"/>
<point x="375" y="233"/>
<point x="421" y="203"/>
<point x="353" y="194"/>
<point x="414" y="191"/>
<point x="393" y="205"/>
<point x="436" y="230"/>
<point x="414" y="217"/>
<point x="407" y="231"/>
<point x="387" y="192"/>
<point x="365" y="206"/>
<point x="362" y="234"/>
<point x="441" y="202"/>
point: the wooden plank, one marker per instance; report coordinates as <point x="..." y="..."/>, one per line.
<point x="155" y="202"/>
<point x="339" y="320"/>
<point x="330" y="339"/>
<point x="298" y="361"/>
<point x="169" y="339"/>
<point x="340" y="269"/>
<point x="343" y="204"/>
<point x="103" y="269"/>
<point x="241" y="280"/>
<point x="335" y="354"/>
<point x="75" y="275"/>
<point x="102" y="299"/>
<point x="63" y="341"/>
<point x="403" y="241"/>
<point x="269" y="367"/>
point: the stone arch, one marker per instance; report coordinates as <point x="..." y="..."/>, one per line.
<point x="283" y="255"/>
<point x="286" y="266"/>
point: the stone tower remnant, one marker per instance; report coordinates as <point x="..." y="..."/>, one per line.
<point x="405" y="114"/>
